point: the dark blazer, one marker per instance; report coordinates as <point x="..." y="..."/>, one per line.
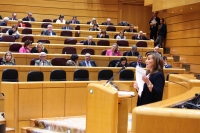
<point x="134" y="64"/>
<point x="46" y="32"/>
<point x="86" y="43"/>
<point x="158" y="23"/>
<point x="168" y="66"/>
<point x="163" y="30"/>
<point x="92" y="63"/>
<point x="118" y="64"/>
<point x="92" y="29"/>
<point x="158" y="81"/>
<point x="12" y="19"/>
<point x="106" y="36"/>
<point x="26" y="19"/>
<point x="34" y="50"/>
<point x="64" y="27"/>
<point x="142" y="38"/>
<point x="105" y="23"/>
<point x="3" y="23"/>
<point x="76" y="22"/>
<point x="8" y="63"/>
<point x="130" y="53"/>
<point x="129" y="30"/>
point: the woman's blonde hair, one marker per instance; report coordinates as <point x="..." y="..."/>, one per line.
<point x="158" y="63"/>
<point x="12" y="58"/>
<point x="41" y="45"/>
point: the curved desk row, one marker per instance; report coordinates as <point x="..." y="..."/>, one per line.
<point x="101" y="61"/>
<point x="57" y="48"/>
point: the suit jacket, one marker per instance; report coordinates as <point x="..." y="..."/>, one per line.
<point x="129" y="30"/>
<point x="106" y="36"/>
<point x="92" y="63"/>
<point x="156" y="26"/>
<point x="12" y="19"/>
<point x="40" y="63"/>
<point x="163" y="30"/>
<point x="138" y="38"/>
<point x="34" y="50"/>
<point x="3" y="23"/>
<point x="46" y="32"/>
<point x="130" y="53"/>
<point x="76" y="22"/>
<point x="158" y="81"/>
<point x="71" y="63"/>
<point x="168" y="66"/>
<point x="134" y="64"/>
<point x="118" y="64"/>
<point x="26" y="19"/>
<point x="105" y="23"/>
<point x="69" y="28"/>
<point x="86" y="43"/>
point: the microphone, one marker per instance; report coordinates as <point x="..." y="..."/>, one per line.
<point x="122" y="69"/>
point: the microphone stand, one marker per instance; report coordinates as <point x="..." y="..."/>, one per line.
<point x="109" y="81"/>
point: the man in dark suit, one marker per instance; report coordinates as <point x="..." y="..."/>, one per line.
<point x="4" y="22"/>
<point x="131" y="29"/>
<point x="154" y="22"/>
<point x="139" y="62"/>
<point x="133" y="52"/>
<point x="14" y="16"/>
<point x="67" y="27"/>
<point x="140" y="36"/>
<point x="87" y="62"/>
<point x="49" y="31"/>
<point x="74" y="20"/>
<point x="166" y="65"/>
<point x="161" y="33"/>
<point x="89" y="41"/>
<point x="29" y="17"/>
<point x="108" y="22"/>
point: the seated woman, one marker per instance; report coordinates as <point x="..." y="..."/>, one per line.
<point x="121" y="36"/>
<point x="20" y="23"/>
<point x="39" y="48"/>
<point x="60" y="20"/>
<point x="102" y="34"/>
<point x="122" y="62"/>
<point x="73" y="60"/>
<point x="94" y="28"/>
<point x="14" y="32"/>
<point x="26" y="48"/>
<point x="8" y="59"/>
<point x="114" y="51"/>
<point x="93" y="22"/>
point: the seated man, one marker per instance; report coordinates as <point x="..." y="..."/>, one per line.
<point x="14" y="16"/>
<point x="4" y="22"/>
<point x="87" y="62"/>
<point x="165" y="64"/>
<point x="42" y="61"/>
<point x="67" y="26"/>
<point x="89" y="41"/>
<point x="49" y="31"/>
<point x="156" y="50"/>
<point x="29" y="17"/>
<point x="108" y="22"/>
<point x="133" y="51"/>
<point x="74" y="20"/>
<point x="131" y="29"/>
<point x="140" y="36"/>
<point x="138" y="63"/>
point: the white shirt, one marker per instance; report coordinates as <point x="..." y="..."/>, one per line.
<point x="58" y="21"/>
<point x="88" y="64"/>
<point x="119" y="38"/>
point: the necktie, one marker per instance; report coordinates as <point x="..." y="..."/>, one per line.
<point x="43" y="63"/>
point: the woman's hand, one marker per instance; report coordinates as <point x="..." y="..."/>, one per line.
<point x="148" y="82"/>
<point x="136" y="86"/>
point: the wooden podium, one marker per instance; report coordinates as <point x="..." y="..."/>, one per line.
<point x="106" y="111"/>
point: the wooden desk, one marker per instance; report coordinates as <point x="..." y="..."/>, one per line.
<point x="57" y="48"/>
<point x="61" y="39"/>
<point x="82" y="26"/>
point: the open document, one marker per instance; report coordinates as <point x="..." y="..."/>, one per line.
<point x="139" y="73"/>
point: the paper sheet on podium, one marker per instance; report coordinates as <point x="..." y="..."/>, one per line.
<point x="139" y="73"/>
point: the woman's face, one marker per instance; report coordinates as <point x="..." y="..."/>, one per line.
<point x="8" y="57"/>
<point x="114" y="47"/>
<point x="28" y="46"/>
<point x="61" y="19"/>
<point x="123" y="62"/>
<point x="149" y="62"/>
<point x="39" y="48"/>
<point x="121" y="34"/>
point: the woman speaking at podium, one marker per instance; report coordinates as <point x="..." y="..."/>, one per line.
<point x="154" y="80"/>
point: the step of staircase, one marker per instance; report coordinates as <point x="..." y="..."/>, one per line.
<point x="10" y="130"/>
